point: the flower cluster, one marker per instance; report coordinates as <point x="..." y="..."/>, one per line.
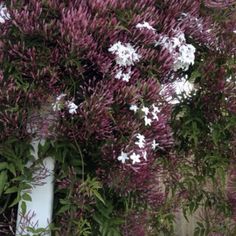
<point x="149" y="115"/>
<point x="183" y="53"/>
<point x="126" y="55"/>
<point x="4" y="14"/>
<point x="59" y="105"/>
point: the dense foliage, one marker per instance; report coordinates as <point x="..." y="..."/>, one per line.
<point x="100" y="81"/>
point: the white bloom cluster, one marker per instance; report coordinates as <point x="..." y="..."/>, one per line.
<point x="135" y="157"/>
<point x="145" y="25"/>
<point x="126" y="55"/>
<point x="148" y="119"/>
<point x="59" y="104"/>
<point x="183" y="53"/>
<point x="185" y="58"/>
<point x="123" y="76"/>
<point x="4" y="15"/>
<point x="149" y="115"/>
<point x="181" y="87"/>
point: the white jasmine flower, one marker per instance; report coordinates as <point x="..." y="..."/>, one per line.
<point x="145" y="25"/>
<point x="155" y="116"/>
<point x="144" y="155"/>
<point x="4" y="15"/>
<point x="60" y="96"/>
<point x="141" y="141"/>
<point x="126" y="76"/>
<point x="119" y="74"/>
<point x="154" y="144"/>
<point x="134" y="108"/>
<point x="123" y="157"/>
<point x="126" y="55"/>
<point x="185" y="58"/>
<point x="147" y="121"/>
<point x="183" y="53"/>
<point x="58" y="105"/>
<point x="72" y="107"/>
<point x="141" y="137"/>
<point x="162" y="41"/>
<point x="183" y="86"/>
<point x="234" y="31"/>
<point x="123" y="76"/>
<point x="155" y="109"/>
<point x="135" y="158"/>
<point x="145" y="110"/>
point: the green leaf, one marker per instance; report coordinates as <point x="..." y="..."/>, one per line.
<point x="99" y="197"/>
<point x="26" y="197"/>
<point x="3" y="180"/>
<point x="3" y="165"/>
<point x="63" y="209"/>
<point x="12" y="169"/>
<point x="23" y="208"/>
<point x="15" y="201"/>
<point x="13" y="189"/>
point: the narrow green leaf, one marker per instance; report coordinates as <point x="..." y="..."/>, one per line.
<point x="3" y="180"/>
<point x="23" y="208"/>
<point x="13" y="189"/>
<point x="3" y="165"/>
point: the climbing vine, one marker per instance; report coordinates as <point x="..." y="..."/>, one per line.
<point x="135" y="101"/>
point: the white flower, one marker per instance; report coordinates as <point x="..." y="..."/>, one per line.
<point x="183" y="53"/>
<point x="154" y="144"/>
<point x="60" y="96"/>
<point x="119" y="74"/>
<point x="134" y="108"/>
<point x="155" y="116"/>
<point x="126" y="76"/>
<point x="123" y="76"/>
<point x="155" y="108"/>
<point x="72" y="107"/>
<point x="145" y="110"/>
<point x="234" y="31"/>
<point x="141" y="137"/>
<point x="123" y="157"/>
<point x="145" y="25"/>
<point x="135" y="158"/>
<point x="147" y="121"/>
<point x="183" y="86"/>
<point x="144" y="155"/>
<point x="185" y="57"/>
<point x="58" y="105"/>
<point x="141" y="140"/>
<point x="162" y="41"/>
<point x="126" y="55"/>
<point x="4" y="15"/>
